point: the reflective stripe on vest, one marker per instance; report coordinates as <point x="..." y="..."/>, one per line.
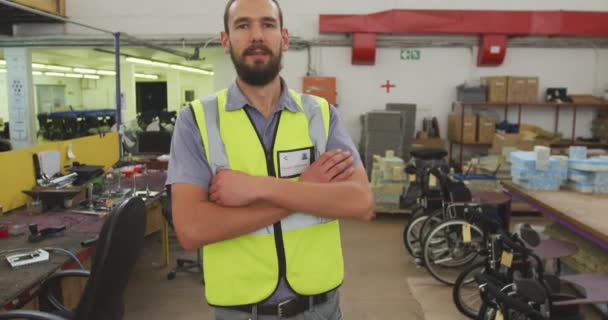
<point x="246" y="269"/>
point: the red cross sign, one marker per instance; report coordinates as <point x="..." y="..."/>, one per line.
<point x="388" y="86"/>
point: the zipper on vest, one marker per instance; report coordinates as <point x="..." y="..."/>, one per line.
<point x="278" y="230"/>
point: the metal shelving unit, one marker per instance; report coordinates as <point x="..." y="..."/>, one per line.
<point x="520" y="105"/>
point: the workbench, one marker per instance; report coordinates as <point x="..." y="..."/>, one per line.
<point x="584" y="214"/>
<point x="20" y="286"/>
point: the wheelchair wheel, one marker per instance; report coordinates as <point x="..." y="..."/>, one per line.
<point x="411" y="231"/>
<point x="450" y="247"/>
<point x="466" y="294"/>
<point x="435" y="218"/>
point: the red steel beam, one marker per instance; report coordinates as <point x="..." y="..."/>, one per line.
<point x="511" y="23"/>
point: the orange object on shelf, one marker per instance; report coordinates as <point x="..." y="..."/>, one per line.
<point x="321" y="86"/>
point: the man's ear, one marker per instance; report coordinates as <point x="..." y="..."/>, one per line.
<point x="225" y="38"/>
<point x="285" y="37"/>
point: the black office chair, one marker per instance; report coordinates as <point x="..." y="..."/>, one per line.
<point x="119" y="244"/>
<point x="5" y="145"/>
<point x="5" y="134"/>
<point x="183" y="265"/>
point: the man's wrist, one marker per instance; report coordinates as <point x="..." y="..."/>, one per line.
<point x="265" y="189"/>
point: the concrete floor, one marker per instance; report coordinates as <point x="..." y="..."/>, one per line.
<point x="382" y="281"/>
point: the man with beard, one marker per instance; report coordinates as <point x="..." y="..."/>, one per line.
<point x="259" y="177"/>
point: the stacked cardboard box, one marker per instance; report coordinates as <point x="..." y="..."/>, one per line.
<point x="476" y="128"/>
<point x="512" y="89"/>
<point x="522" y="89"/>
<point x="462" y="130"/>
<point x="486" y="127"/>
<point x="497" y="88"/>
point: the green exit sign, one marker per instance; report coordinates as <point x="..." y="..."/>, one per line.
<point x="410" y="54"/>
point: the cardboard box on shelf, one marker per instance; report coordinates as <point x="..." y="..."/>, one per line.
<point x="497" y="88"/>
<point x="516" y="89"/>
<point x="485" y="129"/>
<point x="504" y="140"/>
<point x="522" y="89"/>
<point x="468" y="127"/>
<point x="531" y="91"/>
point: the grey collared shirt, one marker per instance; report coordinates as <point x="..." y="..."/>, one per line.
<point x="188" y="163"/>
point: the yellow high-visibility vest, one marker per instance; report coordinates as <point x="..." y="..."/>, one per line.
<point x="303" y="248"/>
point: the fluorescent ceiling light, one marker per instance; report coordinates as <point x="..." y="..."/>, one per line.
<point x="59" y="68"/>
<point x="54" y="74"/>
<point x="147" y="62"/>
<point x="146" y="76"/>
<point x="83" y="70"/>
<point x="190" y="69"/>
<point x="166" y="65"/>
<point x="89" y="73"/>
<point x="106" y="72"/>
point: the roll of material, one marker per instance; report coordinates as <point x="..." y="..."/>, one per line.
<point x="577" y="152"/>
<point x="541" y="155"/>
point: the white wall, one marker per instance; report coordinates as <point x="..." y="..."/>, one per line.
<point x="431" y="81"/>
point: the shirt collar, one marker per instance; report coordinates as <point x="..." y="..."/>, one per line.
<point x="237" y="100"/>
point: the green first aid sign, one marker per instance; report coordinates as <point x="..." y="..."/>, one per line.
<point x="410" y="54"/>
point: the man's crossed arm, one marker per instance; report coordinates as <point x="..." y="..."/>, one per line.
<point x="237" y="203"/>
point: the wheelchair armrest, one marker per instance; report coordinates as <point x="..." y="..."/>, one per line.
<point x="29" y="314"/>
<point x="53" y="281"/>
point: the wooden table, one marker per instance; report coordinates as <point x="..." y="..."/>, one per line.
<point x="19" y="286"/>
<point x="586" y="215"/>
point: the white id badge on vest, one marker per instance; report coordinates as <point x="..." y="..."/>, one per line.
<point x="293" y="162"/>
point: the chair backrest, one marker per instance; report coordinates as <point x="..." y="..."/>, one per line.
<point x="118" y="247"/>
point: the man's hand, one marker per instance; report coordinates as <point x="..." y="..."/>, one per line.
<point x="334" y="165"/>
<point x="232" y="188"/>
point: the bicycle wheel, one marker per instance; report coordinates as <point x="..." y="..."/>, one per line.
<point x="411" y="239"/>
<point x="466" y="291"/>
<point x="450" y="247"/>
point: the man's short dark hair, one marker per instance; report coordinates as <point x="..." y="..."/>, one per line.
<point x="229" y="4"/>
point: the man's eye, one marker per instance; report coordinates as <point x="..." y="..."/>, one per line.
<point x="242" y="26"/>
<point x="269" y="25"/>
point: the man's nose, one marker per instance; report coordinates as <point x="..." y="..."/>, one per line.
<point x="257" y="34"/>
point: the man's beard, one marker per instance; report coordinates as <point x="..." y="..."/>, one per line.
<point x="259" y="74"/>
